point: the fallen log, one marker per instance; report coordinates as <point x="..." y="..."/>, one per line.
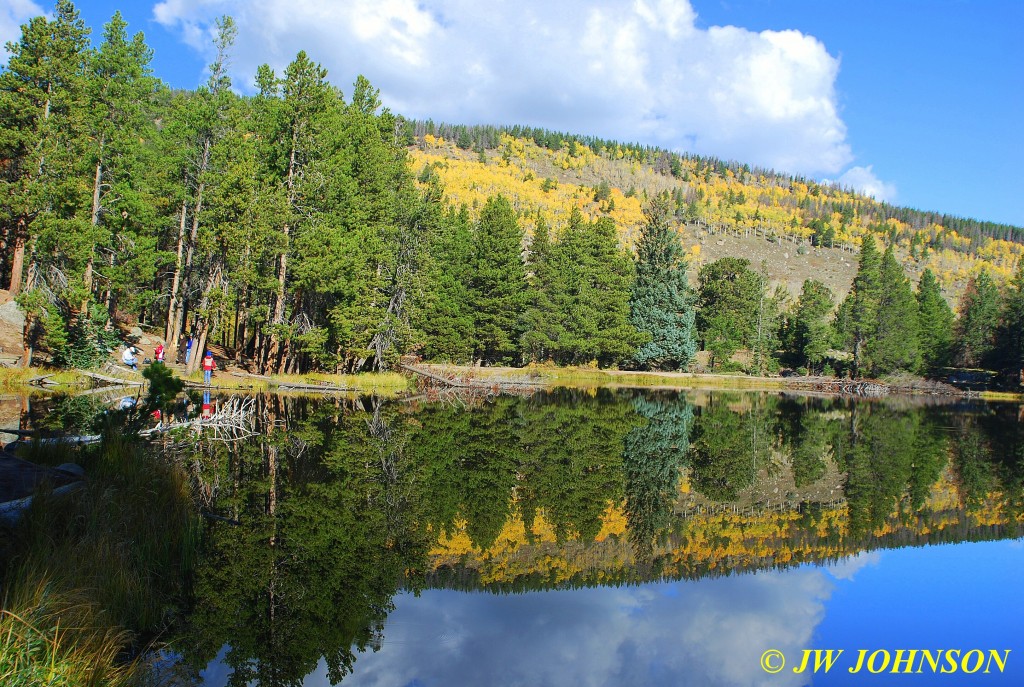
<point x="114" y="380"/>
<point x="311" y="387"/>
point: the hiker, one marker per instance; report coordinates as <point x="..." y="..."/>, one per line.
<point x="209" y="365"/>
<point x="128" y="357"/>
<point x="159" y="353"/>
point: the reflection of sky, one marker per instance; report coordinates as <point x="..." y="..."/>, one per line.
<point x="709" y="632"/>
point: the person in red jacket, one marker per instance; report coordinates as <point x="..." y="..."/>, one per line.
<point x="209" y="365"/>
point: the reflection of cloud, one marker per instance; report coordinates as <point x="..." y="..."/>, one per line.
<point x="846" y="568"/>
<point x="641" y="71"/>
<point x="709" y="632"/>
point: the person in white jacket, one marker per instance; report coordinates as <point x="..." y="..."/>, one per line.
<point x="129" y="357"/>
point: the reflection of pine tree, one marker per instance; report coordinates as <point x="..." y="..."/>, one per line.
<point x="892" y="458"/>
<point x="731" y="446"/>
<point x="653" y="456"/>
<point x="321" y="549"/>
<point x="571" y="455"/>
<point x="808" y="432"/>
<point x="975" y="474"/>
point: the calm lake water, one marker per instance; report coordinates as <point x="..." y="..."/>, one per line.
<point x="612" y="538"/>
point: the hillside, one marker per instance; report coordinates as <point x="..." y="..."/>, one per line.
<point x="799" y="229"/>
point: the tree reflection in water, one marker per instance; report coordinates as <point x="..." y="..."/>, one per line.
<point x="344" y="503"/>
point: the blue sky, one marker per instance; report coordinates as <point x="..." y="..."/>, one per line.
<point x="916" y="102"/>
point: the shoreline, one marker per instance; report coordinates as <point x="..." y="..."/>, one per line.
<point x="398" y="383"/>
<point x="549" y="376"/>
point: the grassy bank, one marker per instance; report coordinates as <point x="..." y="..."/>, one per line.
<point x="583" y="377"/>
<point x="379" y="383"/>
<point x="18" y="378"/>
<point x="90" y="578"/>
<point x="550" y="375"/>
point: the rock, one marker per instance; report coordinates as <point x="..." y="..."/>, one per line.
<point x="72" y="468"/>
<point x="12" y="314"/>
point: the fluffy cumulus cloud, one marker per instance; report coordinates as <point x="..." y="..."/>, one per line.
<point x="863" y="179"/>
<point x="709" y="632"/>
<point x="847" y="568"/>
<point x="14" y="13"/>
<point x="633" y="72"/>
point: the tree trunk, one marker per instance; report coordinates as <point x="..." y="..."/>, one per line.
<point x="26" y="337"/>
<point x="204" y="321"/>
<point x="94" y="221"/>
<point x="171" y="334"/>
<point x="178" y="326"/>
<point x="18" y="263"/>
<point x="282" y="270"/>
<point x="278" y="318"/>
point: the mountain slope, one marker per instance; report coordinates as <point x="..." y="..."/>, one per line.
<point x="798" y="228"/>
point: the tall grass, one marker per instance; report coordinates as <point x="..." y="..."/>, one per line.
<point x="17" y="378"/>
<point x="58" y="638"/>
<point x="379" y="383"/>
<point x="92" y="576"/>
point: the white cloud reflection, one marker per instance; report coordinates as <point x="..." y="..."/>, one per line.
<point x="709" y="632"/>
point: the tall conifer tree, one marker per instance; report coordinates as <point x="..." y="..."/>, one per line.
<point x="856" y="320"/>
<point x="979" y="317"/>
<point x="596" y="276"/>
<point x="811" y="335"/>
<point x="497" y="281"/>
<point x="1010" y="335"/>
<point x="42" y="90"/>
<point x="894" y="345"/>
<point x="935" y="322"/>
<point x="662" y="302"/>
<point x="542" y="322"/>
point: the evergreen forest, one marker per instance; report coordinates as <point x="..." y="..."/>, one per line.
<point x="306" y="227"/>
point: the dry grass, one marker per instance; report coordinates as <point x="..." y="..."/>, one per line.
<point x="379" y="383"/>
<point x="90" y="575"/>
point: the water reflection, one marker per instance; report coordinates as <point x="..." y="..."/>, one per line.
<point x="588" y="497"/>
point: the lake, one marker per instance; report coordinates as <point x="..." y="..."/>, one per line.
<point x="611" y="537"/>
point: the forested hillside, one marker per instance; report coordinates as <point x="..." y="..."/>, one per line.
<point x="304" y="228"/>
<point x="549" y="173"/>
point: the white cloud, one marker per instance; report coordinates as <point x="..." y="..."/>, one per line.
<point x="643" y="72"/>
<point x="708" y="632"/>
<point x="847" y="568"/>
<point x="14" y="13"/>
<point x="863" y="179"/>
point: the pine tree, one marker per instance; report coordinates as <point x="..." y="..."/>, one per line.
<point x="893" y="345"/>
<point x="196" y="127"/>
<point x="661" y="302"/>
<point x="497" y="282"/>
<point x="811" y="335"/>
<point x="119" y="87"/>
<point x="979" y="317"/>
<point x="729" y="299"/>
<point x="935" y="322"/>
<point x="41" y="99"/>
<point x="596" y="275"/>
<point x="542" y="320"/>
<point x="856" y="319"/>
<point x="1010" y="335"/>
<point x="443" y="317"/>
